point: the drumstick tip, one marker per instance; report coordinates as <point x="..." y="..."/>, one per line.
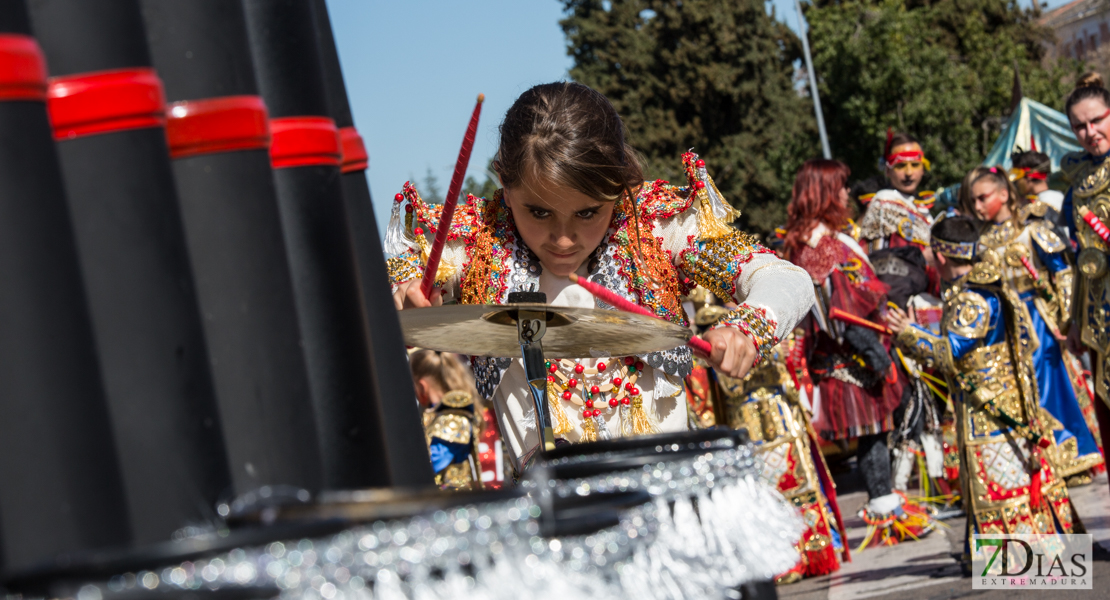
<point x="574" y="278"/>
<point x="481" y="98"/>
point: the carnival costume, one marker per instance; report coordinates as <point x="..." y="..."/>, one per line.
<point x="452" y="431"/>
<point x="769" y="404"/>
<point x="924" y="419"/>
<point x="1031" y="254"/>
<point x="658" y="245"/>
<point x="1090" y="178"/>
<point x="857" y="387"/>
<point x="849" y="364"/>
<point x="894" y="219"/>
<point x="986" y="350"/>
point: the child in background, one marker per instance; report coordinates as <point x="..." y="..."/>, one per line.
<point x="462" y="436"/>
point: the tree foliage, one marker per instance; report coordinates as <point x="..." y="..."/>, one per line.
<point x="713" y="75"/>
<point x="942" y="70"/>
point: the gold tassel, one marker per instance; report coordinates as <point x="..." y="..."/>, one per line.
<point x="642" y="424"/>
<point x="446" y="267"/>
<point x="589" y="430"/>
<point x="562" y="423"/>
<point x="709" y="226"/>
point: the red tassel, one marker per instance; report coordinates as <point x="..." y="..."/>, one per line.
<point x="1032" y="143"/>
<point x="1035" y="497"/>
<point x="822" y="562"/>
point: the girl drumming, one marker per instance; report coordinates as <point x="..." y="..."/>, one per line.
<point x="574" y="201"/>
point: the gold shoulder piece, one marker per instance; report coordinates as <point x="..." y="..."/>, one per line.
<point x="1036" y="208"/>
<point x="457" y="399"/>
<point x="967" y="315"/>
<point x="1045" y="236"/>
<point x="451" y="427"/>
<point x="988" y="269"/>
<point x="1091" y="179"/>
<point x="1073" y="162"/>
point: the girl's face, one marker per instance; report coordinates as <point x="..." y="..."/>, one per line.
<point x="990" y="200"/>
<point x="843" y="197"/>
<point x="561" y="225"/>
<point x="1090" y="120"/>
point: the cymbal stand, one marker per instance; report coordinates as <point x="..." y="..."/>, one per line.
<point x="531" y="327"/>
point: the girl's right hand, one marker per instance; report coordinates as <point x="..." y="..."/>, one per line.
<point x="408" y="295"/>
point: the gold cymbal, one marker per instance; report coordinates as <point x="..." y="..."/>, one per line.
<point x="490" y="330"/>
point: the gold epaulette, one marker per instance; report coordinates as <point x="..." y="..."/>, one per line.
<point x="1044" y="235"/>
<point x="1035" y="209"/>
<point x="1072" y="163"/>
<point x="968" y="315"/>
<point x="988" y="269"/>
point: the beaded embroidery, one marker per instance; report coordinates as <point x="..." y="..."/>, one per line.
<point x="404" y="267"/>
<point x="635" y="266"/>
<point x="715" y="264"/>
<point x="753" y="322"/>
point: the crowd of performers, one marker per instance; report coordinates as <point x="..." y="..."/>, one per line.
<point x="963" y="348"/>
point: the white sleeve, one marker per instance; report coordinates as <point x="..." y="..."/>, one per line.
<point x="782" y="289"/>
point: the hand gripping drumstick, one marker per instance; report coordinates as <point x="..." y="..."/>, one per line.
<point x="1095" y="223"/>
<point x="695" y="343"/>
<point x="450" y="201"/>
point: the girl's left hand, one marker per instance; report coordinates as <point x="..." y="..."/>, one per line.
<point x="733" y="352"/>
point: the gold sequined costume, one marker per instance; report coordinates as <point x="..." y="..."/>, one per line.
<point x="985" y="350"/>
<point x="1029" y="245"/>
<point x="768" y="404"/>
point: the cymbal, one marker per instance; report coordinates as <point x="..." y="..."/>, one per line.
<point x="490" y="330"/>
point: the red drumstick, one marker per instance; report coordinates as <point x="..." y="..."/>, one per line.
<point x="840" y="315"/>
<point x="1029" y="268"/>
<point x="450" y="201"/>
<point x="1095" y="223"/>
<point x="611" y="298"/>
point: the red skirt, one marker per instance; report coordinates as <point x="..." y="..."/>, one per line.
<point x="855" y="400"/>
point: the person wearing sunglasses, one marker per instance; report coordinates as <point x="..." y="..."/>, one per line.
<point x="1088" y="110"/>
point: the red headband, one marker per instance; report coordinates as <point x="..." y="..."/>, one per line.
<point x="908" y="156"/>
<point x="1018" y="173"/>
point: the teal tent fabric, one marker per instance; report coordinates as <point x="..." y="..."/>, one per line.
<point x="1033" y="120"/>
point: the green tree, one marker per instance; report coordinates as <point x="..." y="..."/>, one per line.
<point x="486" y="188"/>
<point x="713" y="75"/>
<point x="941" y="70"/>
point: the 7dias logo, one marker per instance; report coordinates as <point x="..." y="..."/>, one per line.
<point x="1055" y="562"/>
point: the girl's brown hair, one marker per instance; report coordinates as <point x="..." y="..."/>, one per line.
<point x="1089" y="86"/>
<point x="998" y="176"/>
<point x="571" y="135"/>
<point x="445" y="370"/>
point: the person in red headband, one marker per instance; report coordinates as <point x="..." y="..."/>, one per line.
<point x="1030" y="174"/>
<point x="899" y="215"/>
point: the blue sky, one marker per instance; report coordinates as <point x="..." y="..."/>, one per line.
<point x="414" y="68"/>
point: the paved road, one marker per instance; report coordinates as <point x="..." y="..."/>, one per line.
<point x="929" y="569"/>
